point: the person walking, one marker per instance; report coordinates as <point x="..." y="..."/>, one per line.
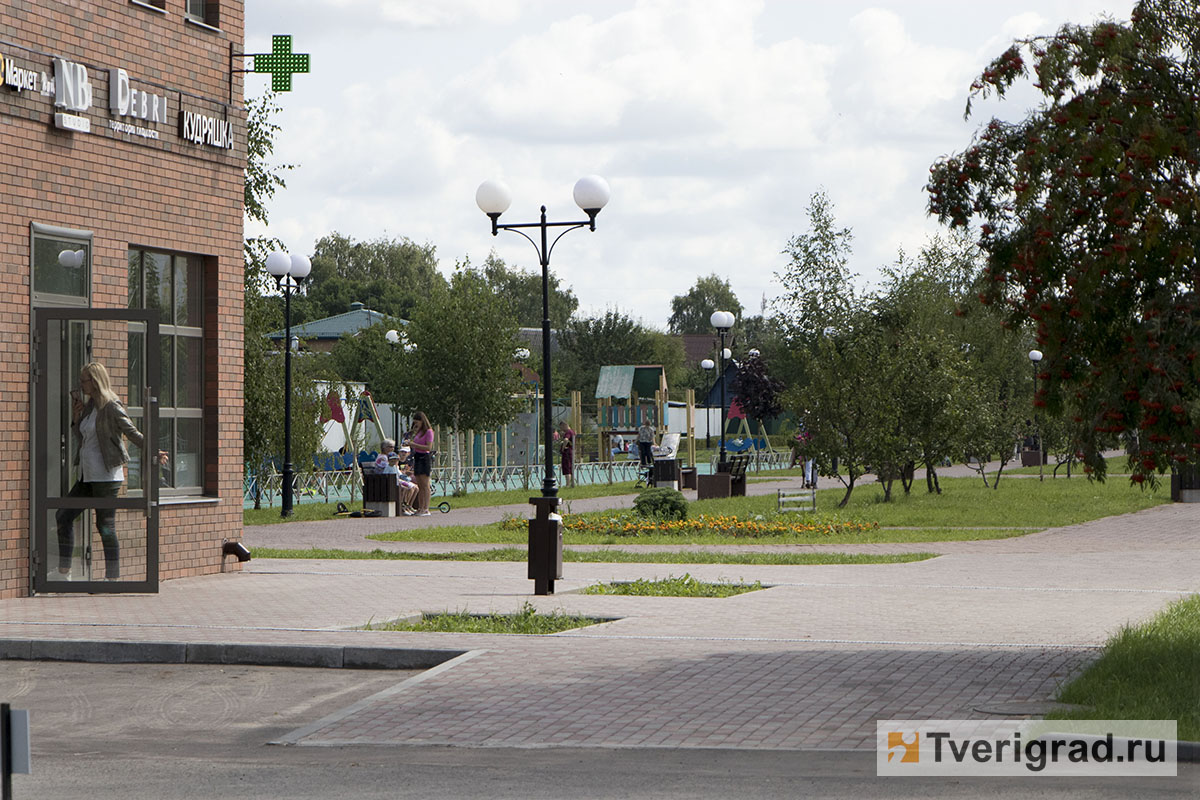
<point x="566" y="449"/>
<point x="99" y="425"/>
<point x="645" y="441"/>
<point x="422" y="453"/>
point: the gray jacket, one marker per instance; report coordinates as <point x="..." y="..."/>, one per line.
<point x="111" y="423"/>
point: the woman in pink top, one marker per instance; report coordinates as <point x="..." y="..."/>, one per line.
<point x="422" y="447"/>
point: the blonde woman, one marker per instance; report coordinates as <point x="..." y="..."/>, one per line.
<point x="100" y="426"/>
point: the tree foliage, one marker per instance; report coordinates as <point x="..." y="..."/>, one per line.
<point x="461" y="369"/>
<point x="367" y="357"/>
<point x="1089" y="214"/>
<point x="523" y="292"/>
<point x="262" y="368"/>
<point x="587" y="344"/>
<point x="818" y="287"/>
<point x="388" y="275"/>
<point x="757" y="390"/>
<point x="690" y="312"/>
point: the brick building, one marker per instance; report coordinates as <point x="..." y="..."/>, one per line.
<point x="123" y="141"/>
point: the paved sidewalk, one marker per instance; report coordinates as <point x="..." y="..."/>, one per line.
<point x="810" y="662"/>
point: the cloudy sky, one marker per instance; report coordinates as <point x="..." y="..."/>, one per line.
<point x="714" y="121"/>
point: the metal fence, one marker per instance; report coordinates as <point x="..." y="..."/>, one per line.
<point x="346" y="485"/>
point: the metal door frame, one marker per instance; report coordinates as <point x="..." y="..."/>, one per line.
<point x="41" y="504"/>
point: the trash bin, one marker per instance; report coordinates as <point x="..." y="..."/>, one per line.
<point x="687" y="477"/>
<point x="1185" y="484"/>
<point x="666" y="473"/>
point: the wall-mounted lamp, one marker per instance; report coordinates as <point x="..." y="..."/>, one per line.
<point x="72" y="259"/>
<point x="236" y="549"/>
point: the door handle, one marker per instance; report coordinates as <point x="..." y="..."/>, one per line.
<point x="150" y="466"/>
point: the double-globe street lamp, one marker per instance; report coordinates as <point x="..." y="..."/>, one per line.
<point x="591" y="194"/>
<point x="289" y="271"/>
<point x="493" y="198"/>
<point x="722" y="321"/>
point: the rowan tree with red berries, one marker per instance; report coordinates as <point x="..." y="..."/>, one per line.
<point x="1089" y="217"/>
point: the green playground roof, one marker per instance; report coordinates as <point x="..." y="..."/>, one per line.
<point x="621" y="382"/>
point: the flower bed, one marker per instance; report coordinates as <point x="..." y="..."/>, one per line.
<point x="734" y="527"/>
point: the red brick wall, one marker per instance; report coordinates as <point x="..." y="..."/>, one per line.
<point x="167" y="194"/>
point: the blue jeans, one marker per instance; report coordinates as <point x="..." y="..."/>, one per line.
<point x="105" y="524"/>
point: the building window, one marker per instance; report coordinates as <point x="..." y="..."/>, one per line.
<point x="173" y="284"/>
<point x="204" y="11"/>
<point x="62" y="265"/>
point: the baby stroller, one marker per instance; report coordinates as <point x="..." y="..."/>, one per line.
<point x="670" y="444"/>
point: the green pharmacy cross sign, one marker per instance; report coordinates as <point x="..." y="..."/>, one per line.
<point x="281" y="63"/>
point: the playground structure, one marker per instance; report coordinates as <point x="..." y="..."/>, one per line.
<point x="511" y="457"/>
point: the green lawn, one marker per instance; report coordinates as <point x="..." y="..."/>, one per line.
<point x="518" y="554"/>
<point x="1148" y="671"/>
<point x="965" y="510"/>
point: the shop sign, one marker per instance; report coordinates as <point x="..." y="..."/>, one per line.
<point x="72" y="92"/>
<point x="23" y="80"/>
<point x="72" y="89"/>
<point x="125" y="101"/>
<point x="205" y="130"/>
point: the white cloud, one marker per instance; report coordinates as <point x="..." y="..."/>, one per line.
<point x="714" y="121"/>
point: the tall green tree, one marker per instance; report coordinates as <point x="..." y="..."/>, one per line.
<point x="586" y="344"/>
<point x="461" y="368"/>
<point x="388" y="275"/>
<point x="758" y="392"/>
<point x="818" y="287"/>
<point x="523" y="292"/>
<point x="1088" y="211"/>
<point x="262" y="373"/>
<point x="367" y="357"/>
<point x="690" y="312"/>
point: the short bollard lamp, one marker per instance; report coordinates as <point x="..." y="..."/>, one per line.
<point x="545" y="529"/>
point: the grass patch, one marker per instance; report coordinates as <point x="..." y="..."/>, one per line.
<point x="518" y="554"/>
<point x="685" y="586"/>
<point x="1147" y="671"/>
<point x="967" y="503"/>
<point x="527" y="621"/>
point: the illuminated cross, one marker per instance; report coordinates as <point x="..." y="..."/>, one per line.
<point x="282" y="63"/>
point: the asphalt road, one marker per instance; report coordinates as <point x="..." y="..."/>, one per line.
<point x="127" y="732"/>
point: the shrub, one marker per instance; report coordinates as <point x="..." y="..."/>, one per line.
<point x="661" y="503"/>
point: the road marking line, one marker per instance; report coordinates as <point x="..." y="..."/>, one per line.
<point x="295" y="736"/>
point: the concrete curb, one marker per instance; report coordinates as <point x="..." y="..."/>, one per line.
<point x="263" y="655"/>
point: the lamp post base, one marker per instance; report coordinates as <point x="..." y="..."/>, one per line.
<point x="545" y="545"/>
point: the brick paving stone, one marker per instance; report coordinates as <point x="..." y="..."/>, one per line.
<point x="810" y="662"/>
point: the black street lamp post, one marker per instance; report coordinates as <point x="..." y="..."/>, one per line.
<point x="722" y="321"/>
<point x="288" y="271"/>
<point x="493" y="198"/>
<point x="1035" y="358"/>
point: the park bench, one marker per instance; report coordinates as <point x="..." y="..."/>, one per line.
<point x="737" y="475"/>
<point x="797" y="500"/>
<point x="731" y="483"/>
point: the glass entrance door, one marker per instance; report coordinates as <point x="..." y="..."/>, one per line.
<point x="95" y="520"/>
